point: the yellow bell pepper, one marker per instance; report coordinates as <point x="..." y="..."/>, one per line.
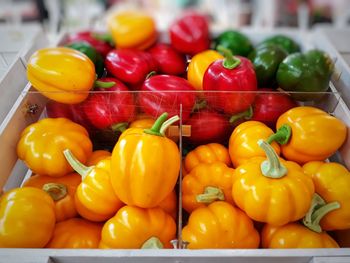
<point x="294" y="235"/>
<point x="308" y="134"/>
<point x="273" y="191"/>
<point x="243" y="143"/>
<point x="61" y="74"/>
<point x="42" y="143"/>
<point x="220" y="225"/>
<point x="332" y="183"/>
<point x="198" y="65"/>
<point x="132" y="29"/>
<point x="97" y="156"/>
<point x="145" y="164"/>
<point x="27" y="218"/>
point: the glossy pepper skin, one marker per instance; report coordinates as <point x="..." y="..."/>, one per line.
<point x="294" y="235"/>
<point x="243" y="143"/>
<point x="145" y="165"/>
<point x="236" y="42"/>
<point x="42" y="143"/>
<point x="199" y="64"/>
<point x="132" y="226"/>
<point x="230" y="74"/>
<point x="163" y="93"/>
<point x="288" y="44"/>
<point x="27" y="218"/>
<point x="61" y="74"/>
<point x="61" y="189"/>
<point x="76" y="233"/>
<point x="307" y="72"/>
<point x="134" y="30"/>
<point x="209" y="153"/>
<point x="130" y="66"/>
<point x="206" y="183"/>
<point x="169" y="204"/>
<point x="190" y="34"/>
<point x="316" y="135"/>
<point x="273" y="191"/>
<point x="220" y="225"/>
<point x="332" y="182"/>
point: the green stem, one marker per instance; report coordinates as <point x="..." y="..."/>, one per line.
<point x="246" y="115"/>
<point x="210" y="195"/>
<point x="167" y="123"/>
<point x="104" y="37"/>
<point x="76" y="164"/>
<point x="104" y="85"/>
<point x="151" y="74"/>
<point x="282" y="135"/>
<point x="55" y="190"/>
<point x="120" y="127"/>
<point x="199" y="105"/>
<point x="318" y="209"/>
<point x="155" y="129"/>
<point x="152" y="243"/>
<point x="230" y="61"/>
<point x="272" y="167"/>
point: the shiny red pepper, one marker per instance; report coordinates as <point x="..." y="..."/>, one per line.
<point x="190" y="34"/>
<point x="233" y="73"/>
<point x="169" y="60"/>
<point x="168" y="96"/>
<point x="130" y="66"/>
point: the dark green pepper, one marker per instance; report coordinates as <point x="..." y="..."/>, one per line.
<point x="288" y="44"/>
<point x="235" y="41"/>
<point x="266" y="60"/>
<point x="308" y="72"/>
<point x="92" y="54"/>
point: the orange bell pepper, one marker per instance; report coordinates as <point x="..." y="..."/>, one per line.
<point x="97" y="156"/>
<point x="132" y="226"/>
<point x="61" y="189"/>
<point x="42" y="143"/>
<point x="243" y="141"/>
<point x="95" y="199"/>
<point x="61" y="74"/>
<point x="294" y="235"/>
<point x="27" y="218"/>
<point x="308" y="134"/>
<point x="169" y="204"/>
<point x="332" y="183"/>
<point x="76" y="233"/>
<point x="209" y="153"/>
<point x="145" y="164"/>
<point x="205" y="184"/>
<point x="134" y="30"/>
<point x="220" y="225"/>
<point x="273" y="191"/>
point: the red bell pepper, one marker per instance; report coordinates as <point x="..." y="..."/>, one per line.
<point x="92" y="38"/>
<point x="130" y="66"/>
<point x="168" y="96"/>
<point x="169" y="60"/>
<point x="235" y="74"/>
<point x="190" y="34"/>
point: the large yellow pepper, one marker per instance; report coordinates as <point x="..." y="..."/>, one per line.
<point x="27" y="218"/>
<point x="243" y="143"/>
<point x="131" y="29"/>
<point x="220" y="225"/>
<point x="198" y="65"/>
<point x="145" y="164"/>
<point x="273" y="191"/>
<point x="42" y="143"/>
<point x="332" y="183"/>
<point x="61" y="74"/>
<point x="308" y="134"/>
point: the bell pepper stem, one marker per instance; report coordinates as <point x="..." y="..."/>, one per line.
<point x="199" y="105"/>
<point x="103" y="84"/>
<point x="282" y="135"/>
<point x="246" y="115"/>
<point x="318" y="209"/>
<point x="104" y="37"/>
<point x="230" y="61"/>
<point x="210" y="195"/>
<point x="152" y="243"/>
<point x="272" y="167"/>
<point x="76" y="164"/>
<point x="161" y="124"/>
<point x="151" y="74"/>
<point x="120" y="127"/>
<point x="55" y="190"/>
<point x="167" y="123"/>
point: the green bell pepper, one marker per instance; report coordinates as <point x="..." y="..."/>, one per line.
<point x="266" y="60"/>
<point x="288" y="44"/>
<point x="308" y="72"/>
<point x="235" y="41"/>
